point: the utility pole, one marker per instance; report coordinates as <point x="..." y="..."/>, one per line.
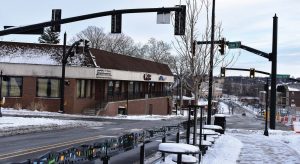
<point x="210" y="78"/>
<point x="274" y="73"/>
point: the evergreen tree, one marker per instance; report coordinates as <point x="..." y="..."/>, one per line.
<point x="49" y="37"/>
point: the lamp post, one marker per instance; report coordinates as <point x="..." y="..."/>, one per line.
<point x="64" y="61"/>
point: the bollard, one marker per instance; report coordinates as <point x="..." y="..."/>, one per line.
<point x="178" y="134"/>
<point x="163" y="140"/>
<point x="142" y="154"/>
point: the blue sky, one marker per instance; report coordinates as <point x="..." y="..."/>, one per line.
<point x="249" y="21"/>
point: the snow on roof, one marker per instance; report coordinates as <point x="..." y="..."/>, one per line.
<point x="33" y="53"/>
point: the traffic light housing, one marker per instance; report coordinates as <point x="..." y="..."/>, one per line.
<point x="222" y="46"/>
<point x="252" y="72"/>
<point x="223" y="71"/>
<point x="56" y="15"/>
<point x="179" y="28"/>
<point x="281" y="88"/>
<point x="116" y="23"/>
<point x="86" y="46"/>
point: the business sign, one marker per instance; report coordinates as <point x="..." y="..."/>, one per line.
<point x="103" y="74"/>
<point x="161" y="78"/>
<point x="147" y="76"/>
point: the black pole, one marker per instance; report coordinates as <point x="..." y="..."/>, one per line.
<point x="195" y="126"/>
<point x="1" y="94"/>
<point x="62" y="81"/>
<point x="211" y="62"/>
<point x="188" y="127"/>
<point x="178" y="134"/>
<point x="274" y="73"/>
<point x="142" y="154"/>
<point x="200" y="134"/>
<point x="266" y="133"/>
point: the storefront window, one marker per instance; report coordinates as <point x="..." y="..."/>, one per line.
<point x="84" y="88"/>
<point x="12" y="86"/>
<point x="48" y="87"/>
<point x="110" y="88"/>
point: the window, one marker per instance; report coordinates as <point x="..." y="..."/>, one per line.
<point x="84" y="88"/>
<point x="12" y="87"/>
<point x="110" y="88"/>
<point x="117" y="88"/>
<point x="130" y="87"/>
<point x="48" y="87"/>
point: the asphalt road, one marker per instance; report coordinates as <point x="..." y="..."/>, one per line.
<point x="28" y="146"/>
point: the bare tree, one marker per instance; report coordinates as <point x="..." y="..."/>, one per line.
<point x="158" y="51"/>
<point x="198" y="64"/>
<point x="94" y="34"/>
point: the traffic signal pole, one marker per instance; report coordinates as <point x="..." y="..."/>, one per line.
<point x="23" y="29"/>
<point x="274" y="73"/>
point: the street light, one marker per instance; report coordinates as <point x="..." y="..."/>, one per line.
<point x="64" y="61"/>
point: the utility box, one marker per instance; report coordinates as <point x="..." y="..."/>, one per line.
<point x="220" y="120"/>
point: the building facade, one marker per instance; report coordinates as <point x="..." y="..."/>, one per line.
<point x="97" y="82"/>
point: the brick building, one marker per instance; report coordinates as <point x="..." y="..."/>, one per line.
<point x="98" y="81"/>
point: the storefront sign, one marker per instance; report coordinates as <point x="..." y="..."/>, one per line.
<point x="103" y="74"/>
<point x="162" y="78"/>
<point x="147" y="77"/>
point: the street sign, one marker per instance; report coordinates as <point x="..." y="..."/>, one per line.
<point x="282" y="76"/>
<point x="232" y="45"/>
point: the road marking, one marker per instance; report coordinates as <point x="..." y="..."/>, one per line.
<point x="47" y="147"/>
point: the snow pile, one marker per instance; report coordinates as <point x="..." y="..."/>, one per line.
<point x="25" y="112"/>
<point x="20" y="125"/>
<point x="178" y="147"/>
<point x="142" y="117"/>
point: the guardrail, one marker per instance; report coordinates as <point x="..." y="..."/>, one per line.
<point x="105" y="148"/>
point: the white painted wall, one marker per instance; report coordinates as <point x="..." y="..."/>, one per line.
<point x="75" y="72"/>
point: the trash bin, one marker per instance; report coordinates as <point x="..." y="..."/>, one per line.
<point x="220" y="120"/>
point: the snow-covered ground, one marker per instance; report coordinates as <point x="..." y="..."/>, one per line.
<point x="21" y="125"/>
<point x="251" y="146"/>
<point x="25" y="112"/>
<point x="26" y="121"/>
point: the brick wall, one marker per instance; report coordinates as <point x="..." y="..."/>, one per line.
<point x="160" y="106"/>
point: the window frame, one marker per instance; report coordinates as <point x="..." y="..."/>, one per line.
<point x="85" y="96"/>
<point x="48" y="90"/>
<point x="8" y="87"/>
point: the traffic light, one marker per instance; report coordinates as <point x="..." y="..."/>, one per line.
<point x="281" y="88"/>
<point x="86" y="46"/>
<point x="180" y="21"/>
<point x="116" y="23"/>
<point x="222" y="46"/>
<point x="56" y="15"/>
<point x="252" y="72"/>
<point x="223" y="71"/>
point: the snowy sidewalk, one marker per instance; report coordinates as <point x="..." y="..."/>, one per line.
<point x="260" y="149"/>
<point x="252" y="147"/>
